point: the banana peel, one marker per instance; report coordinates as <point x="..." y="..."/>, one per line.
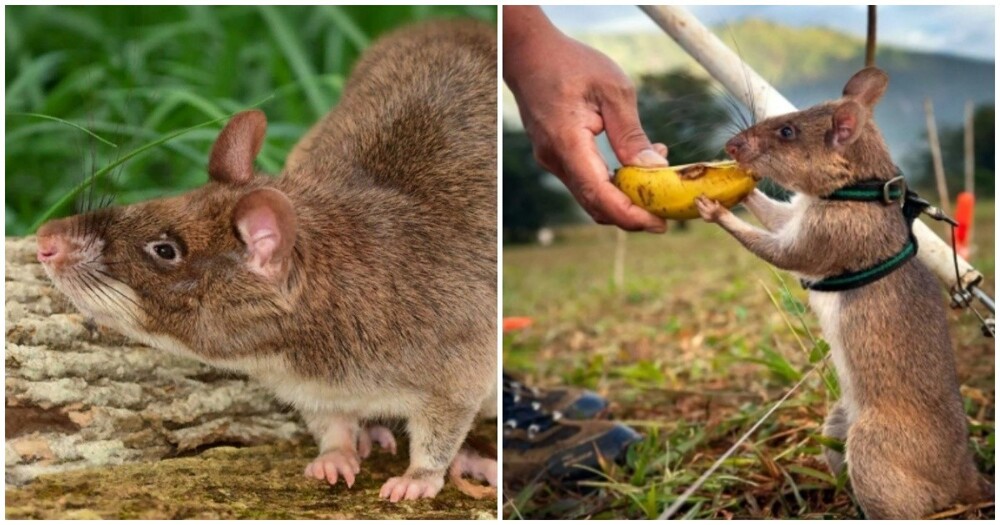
<point x="670" y="192"/>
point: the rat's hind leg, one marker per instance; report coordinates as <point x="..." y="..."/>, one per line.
<point x="836" y="426"/>
<point x="337" y="436"/>
<point x="378" y="434"/>
<point x="436" y="433"/>
<point x="894" y="477"/>
<point x="470" y="463"/>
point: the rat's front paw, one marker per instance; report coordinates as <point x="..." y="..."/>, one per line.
<point x="333" y="464"/>
<point x="408" y="487"/>
<point x="379" y="434"/>
<point x="709" y="209"/>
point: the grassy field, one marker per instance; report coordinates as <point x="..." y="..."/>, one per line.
<point x="692" y="351"/>
<point x="132" y="76"/>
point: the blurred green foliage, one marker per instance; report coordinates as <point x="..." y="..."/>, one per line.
<point x="528" y="203"/>
<point x="133" y="75"/>
<point x="684" y="112"/>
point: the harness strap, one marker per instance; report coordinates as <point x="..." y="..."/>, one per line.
<point x="851" y="280"/>
<point x="886" y="192"/>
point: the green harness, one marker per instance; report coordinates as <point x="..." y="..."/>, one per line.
<point x="891" y="192"/>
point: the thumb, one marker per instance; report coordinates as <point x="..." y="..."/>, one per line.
<point x="628" y="140"/>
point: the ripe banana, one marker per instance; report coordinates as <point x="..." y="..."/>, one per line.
<point x="670" y="192"/>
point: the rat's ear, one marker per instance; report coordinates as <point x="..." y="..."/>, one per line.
<point x="867" y="86"/>
<point x="266" y="223"/>
<point x="848" y="121"/>
<point x="237" y="147"/>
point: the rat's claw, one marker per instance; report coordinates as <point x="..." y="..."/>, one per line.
<point x="334" y="464"/>
<point x="405" y="487"/>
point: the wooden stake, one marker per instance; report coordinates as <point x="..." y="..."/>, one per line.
<point x="870" y="42"/>
<point x="970" y="168"/>
<point x="932" y="138"/>
<point x="619" y="268"/>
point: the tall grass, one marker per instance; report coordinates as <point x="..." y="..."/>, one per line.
<point x="88" y="85"/>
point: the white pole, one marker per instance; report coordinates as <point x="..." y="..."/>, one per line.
<point x="755" y="92"/>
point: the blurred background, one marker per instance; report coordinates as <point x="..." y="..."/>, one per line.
<point x="133" y="75"/>
<point x="690" y="336"/>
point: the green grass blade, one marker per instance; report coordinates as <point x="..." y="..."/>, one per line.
<point x="66" y="122"/>
<point x="296" y="58"/>
<point x="347" y="25"/>
<point x="66" y="199"/>
<point x="20" y="89"/>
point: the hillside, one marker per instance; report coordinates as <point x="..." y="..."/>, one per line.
<point x="809" y="65"/>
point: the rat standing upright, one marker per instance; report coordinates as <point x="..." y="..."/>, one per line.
<point x="360" y="284"/>
<point x="880" y="309"/>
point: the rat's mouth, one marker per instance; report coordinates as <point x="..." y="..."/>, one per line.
<point x="76" y="270"/>
<point x="109" y="302"/>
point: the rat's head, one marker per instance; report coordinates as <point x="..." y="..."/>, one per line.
<point x="190" y="272"/>
<point x="820" y="149"/>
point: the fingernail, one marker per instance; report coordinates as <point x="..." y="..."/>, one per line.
<point x="662" y="228"/>
<point x="648" y="157"/>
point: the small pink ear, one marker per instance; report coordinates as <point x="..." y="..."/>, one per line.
<point x="848" y="122"/>
<point x="237" y="146"/>
<point x="266" y="224"/>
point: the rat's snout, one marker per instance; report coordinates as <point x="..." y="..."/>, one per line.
<point x="54" y="246"/>
<point x="51" y="249"/>
<point x="737" y="147"/>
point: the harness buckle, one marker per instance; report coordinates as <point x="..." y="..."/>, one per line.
<point x="887" y="191"/>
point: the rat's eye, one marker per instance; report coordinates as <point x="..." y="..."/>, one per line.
<point x="787" y="132"/>
<point x="164" y="250"/>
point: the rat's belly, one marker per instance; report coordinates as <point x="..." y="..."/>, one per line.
<point x="362" y="398"/>
<point x="356" y="397"/>
<point x="827" y="307"/>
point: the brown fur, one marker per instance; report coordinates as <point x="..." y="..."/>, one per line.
<point x="900" y="412"/>
<point x="387" y="281"/>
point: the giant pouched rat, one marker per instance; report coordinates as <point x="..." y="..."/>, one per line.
<point x="360" y="284"/>
<point x="900" y="411"/>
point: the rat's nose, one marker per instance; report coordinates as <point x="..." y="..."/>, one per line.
<point x="735" y="146"/>
<point x="52" y="244"/>
<point x="52" y="249"/>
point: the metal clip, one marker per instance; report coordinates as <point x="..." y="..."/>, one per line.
<point x="935" y="213"/>
<point x="887" y="190"/>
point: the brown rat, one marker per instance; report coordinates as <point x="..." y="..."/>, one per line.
<point x="900" y="411"/>
<point x="359" y="284"/>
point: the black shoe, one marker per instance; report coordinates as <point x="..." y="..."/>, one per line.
<point x="571" y="403"/>
<point x="538" y="445"/>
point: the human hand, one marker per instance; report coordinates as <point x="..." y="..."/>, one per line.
<point x="567" y="94"/>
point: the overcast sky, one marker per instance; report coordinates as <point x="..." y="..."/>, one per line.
<point x="959" y="30"/>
